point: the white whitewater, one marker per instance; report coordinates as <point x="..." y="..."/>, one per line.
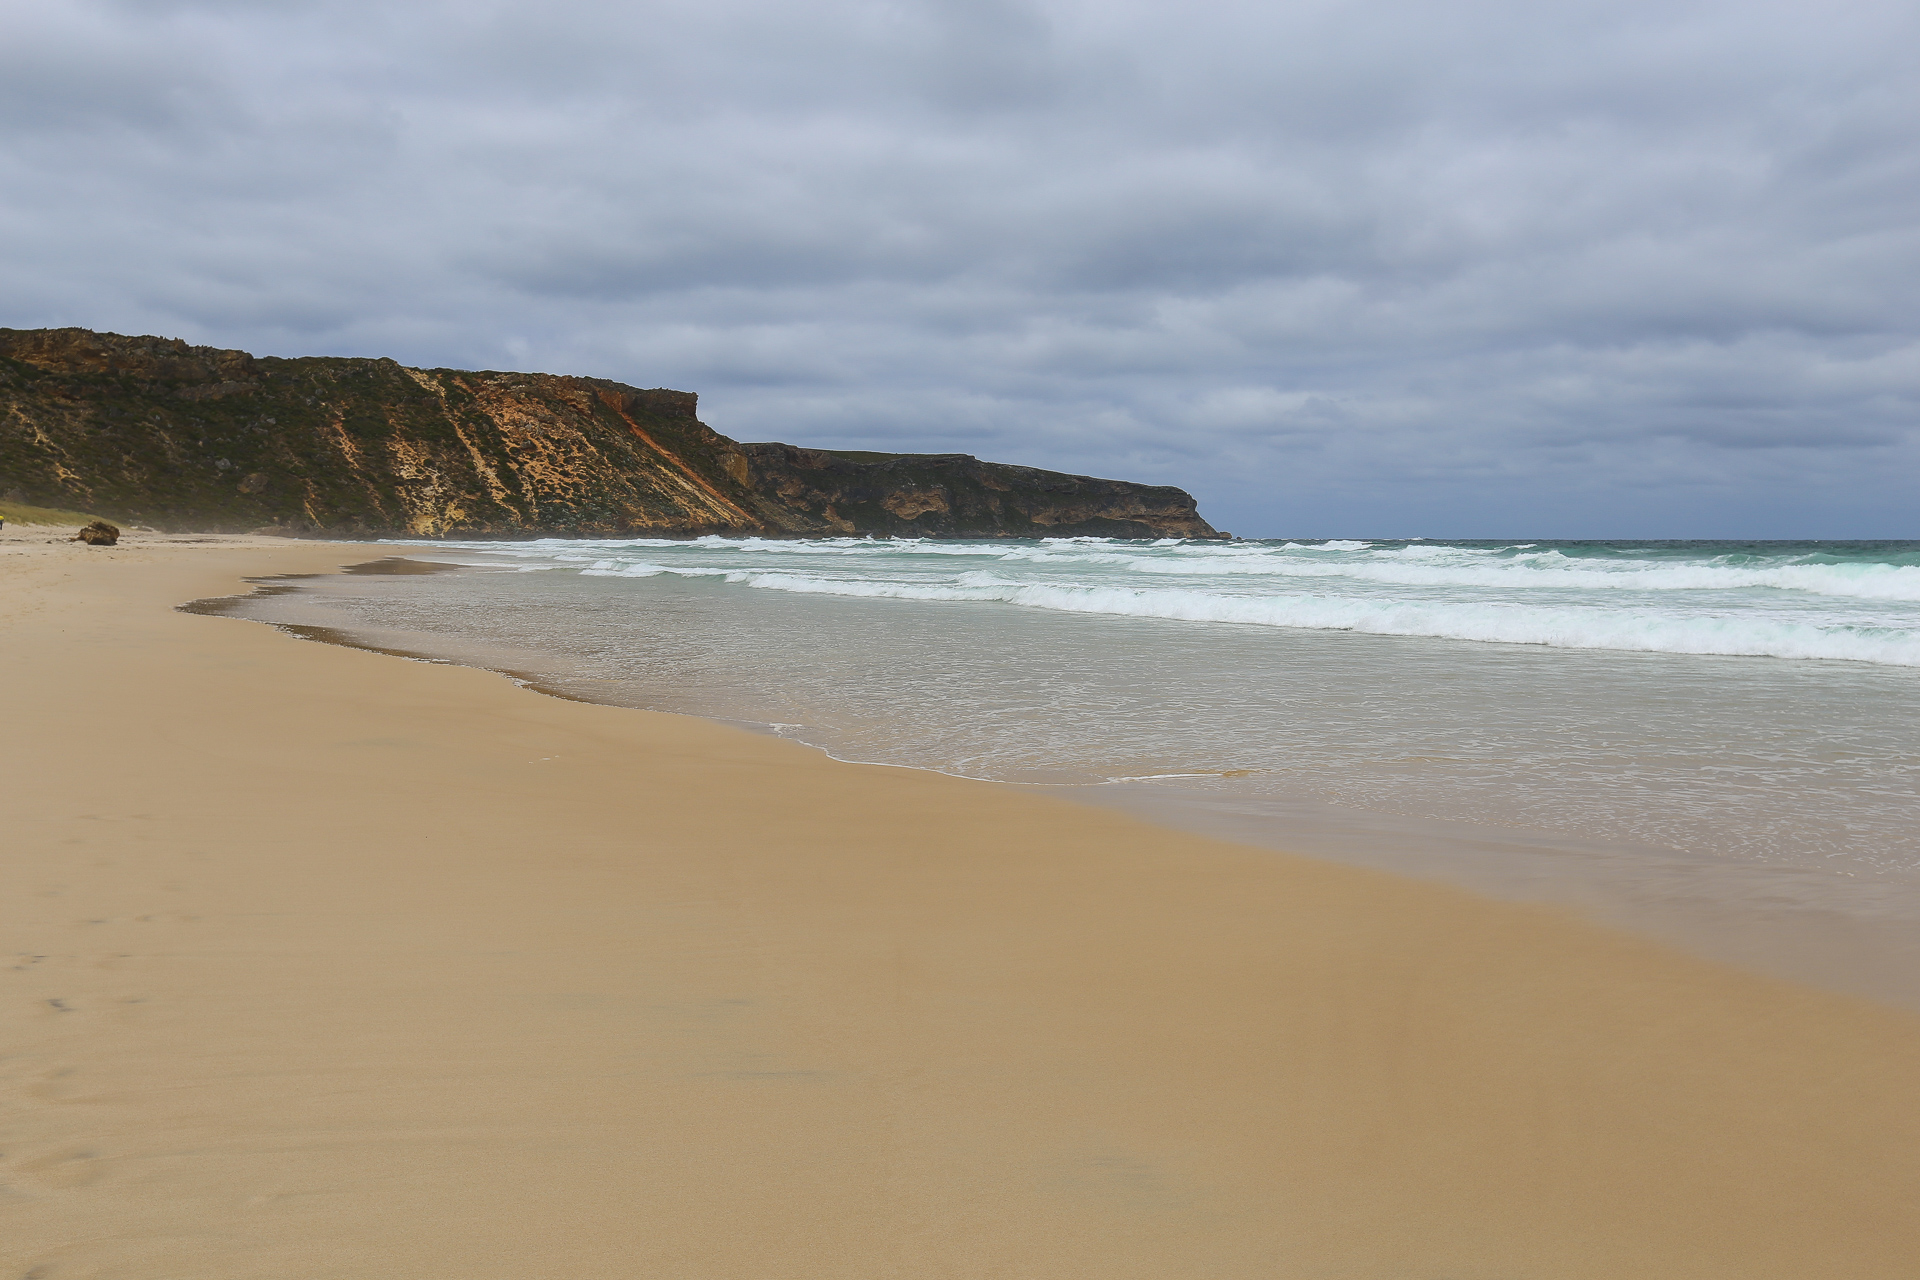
<point x="1849" y="602"/>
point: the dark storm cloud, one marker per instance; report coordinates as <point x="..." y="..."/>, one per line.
<point x="1339" y="268"/>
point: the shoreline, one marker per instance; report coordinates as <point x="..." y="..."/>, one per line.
<point x="338" y="966"/>
<point x="1853" y="933"/>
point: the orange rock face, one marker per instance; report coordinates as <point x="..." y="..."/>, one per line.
<point x="175" y="436"/>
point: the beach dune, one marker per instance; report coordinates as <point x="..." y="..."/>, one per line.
<point x="320" y="963"/>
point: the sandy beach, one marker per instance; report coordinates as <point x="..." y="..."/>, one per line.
<point x="322" y="963"/>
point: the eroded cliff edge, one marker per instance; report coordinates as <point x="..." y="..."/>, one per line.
<point x="181" y="437"/>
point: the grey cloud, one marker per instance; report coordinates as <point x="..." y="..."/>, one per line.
<point x="1610" y="268"/>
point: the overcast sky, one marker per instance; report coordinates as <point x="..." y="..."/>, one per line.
<point x="1507" y="268"/>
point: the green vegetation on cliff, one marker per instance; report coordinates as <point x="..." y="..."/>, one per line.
<point x="26" y="514"/>
<point x="174" y="436"/>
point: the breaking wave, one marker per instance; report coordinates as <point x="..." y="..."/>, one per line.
<point x="1850" y="602"/>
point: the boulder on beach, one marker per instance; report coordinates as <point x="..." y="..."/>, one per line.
<point x="97" y="534"/>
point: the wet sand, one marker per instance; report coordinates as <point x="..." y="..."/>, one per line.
<point x="328" y="964"/>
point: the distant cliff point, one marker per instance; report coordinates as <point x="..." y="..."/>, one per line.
<point x="157" y="432"/>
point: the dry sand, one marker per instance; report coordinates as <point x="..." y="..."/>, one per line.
<point x="326" y="964"/>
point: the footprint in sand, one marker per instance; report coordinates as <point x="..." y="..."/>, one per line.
<point x="63" y="1170"/>
<point x="55" y="1085"/>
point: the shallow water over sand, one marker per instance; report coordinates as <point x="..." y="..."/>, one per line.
<point x="1758" y="808"/>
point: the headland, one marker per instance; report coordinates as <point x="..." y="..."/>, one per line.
<point x="152" y="431"/>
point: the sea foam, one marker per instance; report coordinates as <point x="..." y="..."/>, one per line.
<point x="1850" y="602"/>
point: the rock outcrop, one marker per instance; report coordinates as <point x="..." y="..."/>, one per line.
<point x="97" y="534"/>
<point x="180" y="437"/>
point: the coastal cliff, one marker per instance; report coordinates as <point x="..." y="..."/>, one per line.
<point x="155" y="431"/>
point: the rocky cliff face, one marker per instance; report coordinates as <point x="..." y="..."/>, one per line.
<point x="154" y="431"/>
